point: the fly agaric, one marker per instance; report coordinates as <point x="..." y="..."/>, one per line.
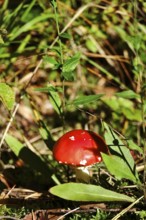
<point x="80" y="149"/>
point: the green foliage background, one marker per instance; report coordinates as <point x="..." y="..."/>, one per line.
<point x="69" y="65"/>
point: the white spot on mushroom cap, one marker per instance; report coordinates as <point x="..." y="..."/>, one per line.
<point x="63" y="162"/>
<point x="99" y="159"/>
<point x="72" y="138"/>
<point x="83" y="162"/>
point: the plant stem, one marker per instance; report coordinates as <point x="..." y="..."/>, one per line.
<point x="61" y="60"/>
<point x="58" y="30"/>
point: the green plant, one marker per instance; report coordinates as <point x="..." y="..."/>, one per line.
<point x="12" y="212"/>
<point x="71" y="69"/>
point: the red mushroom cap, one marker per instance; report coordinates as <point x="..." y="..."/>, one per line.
<point x="79" y="148"/>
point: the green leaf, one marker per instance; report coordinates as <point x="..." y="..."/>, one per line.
<point x="82" y="100"/>
<point x="29" y="25"/>
<point x="70" y="65"/>
<point x="54" y="97"/>
<point x="87" y="192"/>
<point x="70" y="76"/>
<point x="124" y="107"/>
<point x="29" y="157"/>
<point x="50" y="60"/>
<point x="133" y="146"/>
<point x="15" y="145"/>
<point x="7" y="96"/>
<point x="129" y="94"/>
<point x="118" y="167"/>
<point x="54" y="3"/>
<point x="65" y="35"/>
<point x="91" y="45"/>
<point x="112" y="102"/>
<point x="27" y="11"/>
<point x="132" y="114"/>
<point x="121" y="164"/>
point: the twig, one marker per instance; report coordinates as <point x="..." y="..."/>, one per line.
<point x="17" y="104"/>
<point x="78" y="13"/>
<point x="71" y="211"/>
<point x="9" y="217"/>
<point x="9" y="124"/>
<point x="126" y="209"/>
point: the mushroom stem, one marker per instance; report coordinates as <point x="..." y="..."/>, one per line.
<point x="82" y="175"/>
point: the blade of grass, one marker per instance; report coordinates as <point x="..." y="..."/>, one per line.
<point x="30" y="6"/>
<point x="29" y="25"/>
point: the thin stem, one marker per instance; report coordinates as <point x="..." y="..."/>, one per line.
<point x="58" y="30"/>
<point x="127" y="209"/>
<point x="68" y="213"/>
<point x="9" y="124"/>
<point x="61" y="60"/>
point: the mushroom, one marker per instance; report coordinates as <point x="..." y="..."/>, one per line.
<point x="80" y="149"/>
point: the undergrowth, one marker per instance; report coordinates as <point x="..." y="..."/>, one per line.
<point x="68" y="65"/>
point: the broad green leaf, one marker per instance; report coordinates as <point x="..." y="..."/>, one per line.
<point x="29" y="157"/>
<point x="15" y="145"/>
<point x="129" y="94"/>
<point x="7" y="96"/>
<point x="82" y="100"/>
<point x="118" y="148"/>
<point x="118" y="167"/>
<point x="70" y="64"/>
<point x="87" y="192"/>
